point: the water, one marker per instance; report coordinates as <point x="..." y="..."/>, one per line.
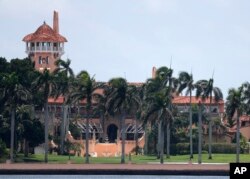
<point x="109" y="177"/>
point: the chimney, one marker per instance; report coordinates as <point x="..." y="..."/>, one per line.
<point x="153" y="72"/>
<point x="55" y="22"/>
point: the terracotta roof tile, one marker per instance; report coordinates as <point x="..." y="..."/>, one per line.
<point x="44" y="34"/>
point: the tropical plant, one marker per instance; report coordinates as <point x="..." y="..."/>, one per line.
<point x="85" y="88"/>
<point x="234" y="108"/>
<point x="120" y="102"/>
<point x="64" y="76"/>
<point x="44" y="84"/>
<point x="159" y="97"/>
<point x="186" y="82"/>
<point x="12" y="93"/>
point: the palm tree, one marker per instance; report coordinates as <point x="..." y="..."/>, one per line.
<point x="208" y="93"/>
<point x="13" y="93"/>
<point x="234" y="108"/>
<point x="101" y="108"/>
<point x="84" y="89"/>
<point x="138" y="97"/>
<point x="200" y="133"/>
<point x="165" y="75"/>
<point x="64" y="75"/>
<point x="159" y="98"/>
<point x="45" y="84"/>
<point x="120" y="101"/>
<point x="186" y="81"/>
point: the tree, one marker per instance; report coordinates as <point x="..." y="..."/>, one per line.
<point x="186" y="81"/>
<point x="159" y="97"/>
<point x="64" y="76"/>
<point x="100" y="108"/>
<point x="208" y="93"/>
<point x="119" y="102"/>
<point x="45" y="84"/>
<point x="12" y="93"/>
<point x="234" y="108"/>
<point x="84" y="89"/>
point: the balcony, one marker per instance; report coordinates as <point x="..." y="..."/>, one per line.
<point x="59" y="50"/>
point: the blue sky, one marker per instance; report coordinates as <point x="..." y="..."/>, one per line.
<point x="127" y="38"/>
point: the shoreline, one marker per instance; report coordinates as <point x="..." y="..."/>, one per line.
<point x="115" y="169"/>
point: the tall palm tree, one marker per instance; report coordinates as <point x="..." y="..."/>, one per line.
<point x="159" y="98"/>
<point x="84" y="89"/>
<point x="64" y="77"/>
<point x="200" y="133"/>
<point x="101" y="107"/>
<point x="119" y="102"/>
<point x="234" y="108"/>
<point x="166" y="76"/>
<point x="13" y="93"/>
<point x="209" y="92"/>
<point x="138" y="96"/>
<point x="186" y="81"/>
<point x="45" y="85"/>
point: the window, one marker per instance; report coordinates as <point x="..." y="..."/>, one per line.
<point x="40" y="60"/>
<point x="47" y="60"/>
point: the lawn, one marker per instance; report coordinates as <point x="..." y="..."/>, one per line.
<point x="140" y="159"/>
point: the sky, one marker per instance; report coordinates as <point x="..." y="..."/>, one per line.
<point x="126" y="38"/>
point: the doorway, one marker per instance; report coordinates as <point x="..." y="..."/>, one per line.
<point x="112" y="133"/>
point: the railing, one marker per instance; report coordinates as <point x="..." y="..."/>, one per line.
<point x="45" y="49"/>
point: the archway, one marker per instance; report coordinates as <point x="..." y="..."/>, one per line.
<point x="112" y="133"/>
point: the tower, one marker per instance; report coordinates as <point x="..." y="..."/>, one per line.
<point x="45" y="45"/>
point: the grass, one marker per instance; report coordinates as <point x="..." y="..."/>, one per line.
<point x="217" y="158"/>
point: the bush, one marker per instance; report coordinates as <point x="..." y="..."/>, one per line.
<point x="183" y="148"/>
<point x="222" y="148"/>
<point x="3" y="150"/>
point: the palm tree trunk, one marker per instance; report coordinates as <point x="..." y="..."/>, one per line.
<point x="103" y="124"/>
<point x="136" y="137"/>
<point x="46" y="121"/>
<point x="210" y="129"/>
<point x="168" y="140"/>
<point x="159" y="140"/>
<point x="190" y="126"/>
<point x="200" y="137"/>
<point x="123" y="137"/>
<point x="161" y="143"/>
<point x="237" y="138"/>
<point x="12" y="134"/>
<point x="26" y="148"/>
<point x="146" y="140"/>
<point x="87" y="139"/>
<point x="62" y="130"/>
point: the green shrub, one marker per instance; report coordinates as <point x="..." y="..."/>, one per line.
<point x="3" y="150"/>
<point x="222" y="148"/>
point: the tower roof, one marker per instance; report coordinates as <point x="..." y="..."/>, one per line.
<point x="44" y="34"/>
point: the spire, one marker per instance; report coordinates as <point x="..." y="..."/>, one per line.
<point x="56" y="22"/>
<point x="153" y="72"/>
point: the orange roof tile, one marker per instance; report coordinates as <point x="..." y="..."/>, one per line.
<point x="245" y="118"/>
<point x="194" y="100"/>
<point x="44" y="34"/>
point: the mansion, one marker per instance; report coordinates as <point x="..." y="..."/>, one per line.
<point x="45" y="46"/>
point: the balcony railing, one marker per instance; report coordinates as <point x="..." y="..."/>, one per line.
<point x="59" y="50"/>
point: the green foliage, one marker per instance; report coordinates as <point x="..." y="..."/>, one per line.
<point x="3" y="150"/>
<point x="222" y="148"/>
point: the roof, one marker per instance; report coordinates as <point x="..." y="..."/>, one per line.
<point x="194" y="100"/>
<point x="245" y="118"/>
<point x="44" y="34"/>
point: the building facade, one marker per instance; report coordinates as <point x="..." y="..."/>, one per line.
<point x="45" y="45"/>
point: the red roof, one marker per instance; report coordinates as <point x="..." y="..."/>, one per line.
<point x="44" y="34"/>
<point x="194" y="100"/>
<point x="245" y="118"/>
